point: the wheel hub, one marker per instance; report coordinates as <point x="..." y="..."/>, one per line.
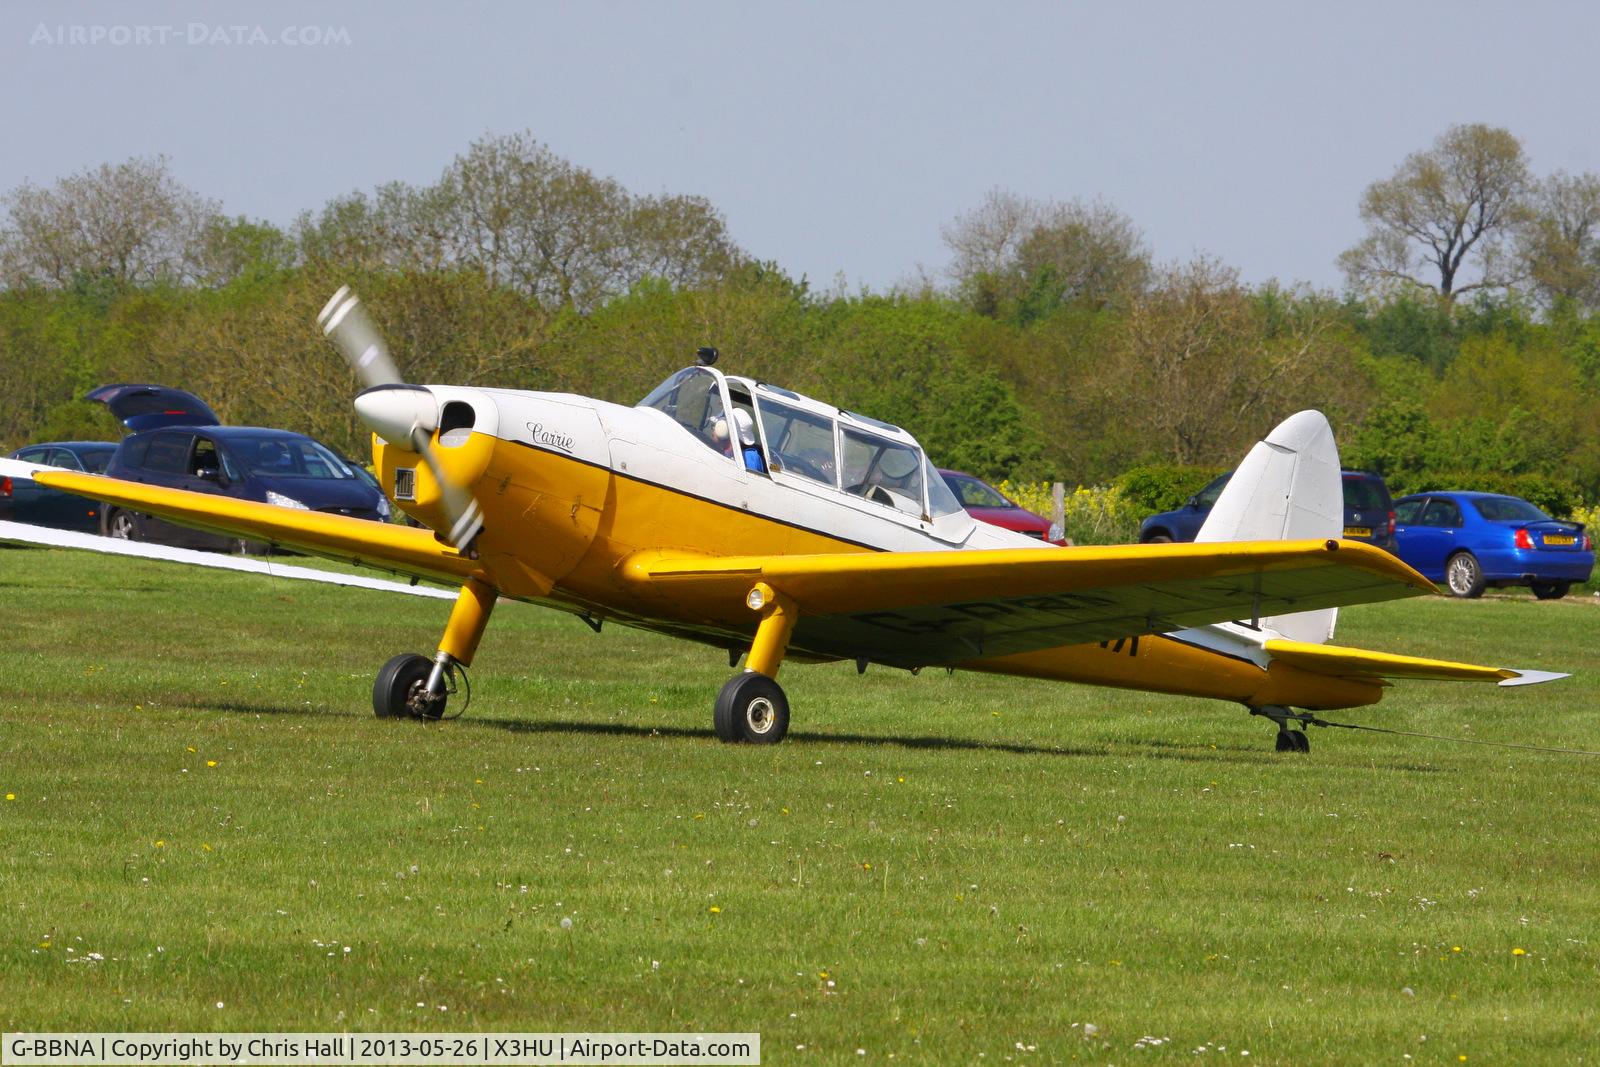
<point x="760" y="714"/>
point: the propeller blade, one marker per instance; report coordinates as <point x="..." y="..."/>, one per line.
<point x="396" y="417"/>
<point x="345" y="322"/>
<point x="466" y="517"/>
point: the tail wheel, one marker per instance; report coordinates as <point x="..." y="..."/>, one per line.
<point x="1464" y="576"/>
<point x="1293" y="741"/>
<point x="401" y="691"/>
<point x="753" y="709"/>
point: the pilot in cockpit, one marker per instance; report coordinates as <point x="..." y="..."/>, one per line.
<point x="747" y="440"/>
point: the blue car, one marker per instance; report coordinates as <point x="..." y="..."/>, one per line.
<point x="177" y="443"/>
<point x="1368" y="512"/>
<point x="23" y="500"/>
<point x="1472" y="540"/>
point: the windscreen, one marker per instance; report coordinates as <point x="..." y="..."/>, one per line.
<point x="941" y="501"/>
<point x="288" y="457"/>
<point x="693" y="399"/>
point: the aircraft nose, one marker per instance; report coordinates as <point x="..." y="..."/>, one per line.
<point x="395" y="412"/>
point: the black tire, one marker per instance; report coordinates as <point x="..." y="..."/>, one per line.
<point x="398" y="692"/>
<point x="753" y="709"/>
<point x="1158" y="539"/>
<point x="123" y="525"/>
<point x="1293" y="740"/>
<point x="1463" y="576"/>
<point x="1551" y="590"/>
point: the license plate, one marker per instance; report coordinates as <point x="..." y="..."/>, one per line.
<point x="1558" y="539"/>
<point x="1358" y="531"/>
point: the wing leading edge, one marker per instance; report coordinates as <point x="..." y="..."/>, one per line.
<point x="923" y="608"/>
<point x="399" y="548"/>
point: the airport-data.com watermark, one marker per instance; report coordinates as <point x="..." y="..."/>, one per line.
<point x="187" y="35"/>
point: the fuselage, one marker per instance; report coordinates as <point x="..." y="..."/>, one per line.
<point x="572" y="487"/>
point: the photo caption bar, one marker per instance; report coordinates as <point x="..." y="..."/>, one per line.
<point x="327" y="1049"/>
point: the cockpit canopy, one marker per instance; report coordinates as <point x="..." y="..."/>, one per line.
<point x="806" y="442"/>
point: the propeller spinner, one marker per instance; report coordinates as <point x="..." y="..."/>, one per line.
<point x="401" y="414"/>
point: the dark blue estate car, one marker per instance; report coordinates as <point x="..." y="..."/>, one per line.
<point x="1471" y="540"/>
<point x="1368" y="512"/>
<point x="23" y="500"/>
<point x="179" y="445"/>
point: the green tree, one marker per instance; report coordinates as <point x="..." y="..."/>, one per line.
<point x="1560" y="243"/>
<point x="1441" y="222"/>
<point x="1021" y="259"/>
<point x="132" y="222"/>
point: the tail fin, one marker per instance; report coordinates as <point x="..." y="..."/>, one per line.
<point x="1288" y="487"/>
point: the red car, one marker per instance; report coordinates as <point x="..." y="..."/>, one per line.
<point x="986" y="503"/>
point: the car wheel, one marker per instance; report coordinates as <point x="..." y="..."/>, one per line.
<point x="1158" y="539"/>
<point x="1551" y="590"/>
<point x="1464" y="576"/>
<point x="122" y="525"/>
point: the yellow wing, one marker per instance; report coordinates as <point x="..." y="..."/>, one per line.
<point x="920" y="608"/>
<point x="398" y="548"/>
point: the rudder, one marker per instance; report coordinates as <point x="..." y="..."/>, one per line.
<point x="1287" y="488"/>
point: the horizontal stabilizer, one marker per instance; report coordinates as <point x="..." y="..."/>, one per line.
<point x="1360" y="662"/>
<point x="1534" y="677"/>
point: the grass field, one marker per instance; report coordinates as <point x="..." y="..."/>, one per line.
<point x="204" y="828"/>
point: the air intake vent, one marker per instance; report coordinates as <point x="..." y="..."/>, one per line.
<point x="405" y="483"/>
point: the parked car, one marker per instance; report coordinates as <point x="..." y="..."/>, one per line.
<point x="1368" y="512"/>
<point x="1472" y="540"/>
<point x="24" y="500"/>
<point x="179" y="444"/>
<point x="984" y="502"/>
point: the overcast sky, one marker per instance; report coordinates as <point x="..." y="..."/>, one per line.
<point x="836" y="137"/>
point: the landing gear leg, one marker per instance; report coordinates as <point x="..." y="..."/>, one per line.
<point x="1288" y="740"/>
<point x="411" y="685"/>
<point x="752" y="706"/>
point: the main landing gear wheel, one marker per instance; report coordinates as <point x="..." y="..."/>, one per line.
<point x="1293" y="740"/>
<point x="401" y="691"/>
<point x="753" y="709"/>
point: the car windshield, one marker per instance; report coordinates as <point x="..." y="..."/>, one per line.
<point x="975" y="494"/>
<point x="1207" y="497"/>
<point x="1507" y="509"/>
<point x="288" y="457"/>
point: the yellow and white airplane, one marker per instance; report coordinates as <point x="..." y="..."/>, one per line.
<point x="742" y="515"/>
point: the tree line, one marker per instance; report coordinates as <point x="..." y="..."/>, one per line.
<point x="1464" y="349"/>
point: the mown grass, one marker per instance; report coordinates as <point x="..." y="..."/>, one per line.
<point x="210" y="831"/>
